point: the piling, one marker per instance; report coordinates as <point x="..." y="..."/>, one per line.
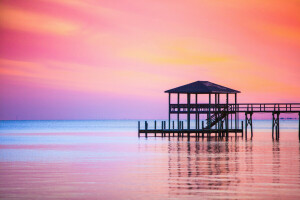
<point x="273" y="125"/>
<point x="242" y="128"/>
<point x="162" y="128"/>
<point x="173" y="128"/>
<point x="299" y="126"/>
<point x="146" y="128"/>
<point x="139" y="128"/>
<point x="155" y="128"/>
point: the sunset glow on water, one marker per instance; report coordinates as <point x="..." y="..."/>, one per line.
<point x="95" y="163"/>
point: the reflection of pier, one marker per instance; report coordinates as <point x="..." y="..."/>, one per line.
<point x="196" y="168"/>
<point x="221" y="118"/>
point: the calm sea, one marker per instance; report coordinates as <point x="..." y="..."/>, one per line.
<point x="106" y="160"/>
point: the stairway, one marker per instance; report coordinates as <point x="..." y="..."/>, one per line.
<point x="215" y="118"/>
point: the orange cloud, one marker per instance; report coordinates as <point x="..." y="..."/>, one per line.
<point x="80" y="77"/>
<point x="22" y="20"/>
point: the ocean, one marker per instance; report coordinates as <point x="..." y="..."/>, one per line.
<point x="104" y="159"/>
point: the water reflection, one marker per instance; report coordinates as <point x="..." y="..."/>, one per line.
<point x="202" y="165"/>
<point x="216" y="167"/>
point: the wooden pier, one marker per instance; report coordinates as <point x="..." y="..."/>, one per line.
<point x="221" y="119"/>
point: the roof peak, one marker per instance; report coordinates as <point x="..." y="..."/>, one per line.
<point x="202" y="87"/>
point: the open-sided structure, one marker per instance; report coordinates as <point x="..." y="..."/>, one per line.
<point x="220" y="118"/>
<point x="215" y="111"/>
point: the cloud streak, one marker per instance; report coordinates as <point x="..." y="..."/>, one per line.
<point x="22" y="20"/>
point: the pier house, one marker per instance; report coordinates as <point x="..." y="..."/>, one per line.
<point x="221" y="118"/>
<point x="216" y="113"/>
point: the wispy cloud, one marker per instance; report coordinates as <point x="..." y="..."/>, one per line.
<point x="22" y="20"/>
<point x="73" y="76"/>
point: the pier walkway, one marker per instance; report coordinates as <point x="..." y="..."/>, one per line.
<point x="221" y="119"/>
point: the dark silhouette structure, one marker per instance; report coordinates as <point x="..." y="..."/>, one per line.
<point x="221" y="118"/>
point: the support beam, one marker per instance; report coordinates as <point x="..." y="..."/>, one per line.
<point x="219" y="110"/>
<point x="178" y="99"/>
<point x="196" y="115"/>
<point x="251" y="125"/>
<point x="246" y="124"/>
<point x="139" y="128"/>
<point x="146" y="128"/>
<point x="275" y="125"/>
<point x="235" y="111"/>
<point x="248" y="121"/>
<point x="216" y="109"/>
<point x="209" y="120"/>
<point x="242" y="128"/>
<point x="278" y="133"/>
<point x="299" y="127"/>
<point x="227" y="100"/>
<point x="189" y="111"/>
<point x="169" y="111"/>
<point x="173" y="127"/>
<point x="155" y="128"/>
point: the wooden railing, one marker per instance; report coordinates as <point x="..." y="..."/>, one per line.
<point x="241" y="107"/>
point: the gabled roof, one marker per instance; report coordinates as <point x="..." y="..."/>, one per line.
<point x="202" y="87"/>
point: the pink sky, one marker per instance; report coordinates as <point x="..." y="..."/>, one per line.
<point x="113" y="59"/>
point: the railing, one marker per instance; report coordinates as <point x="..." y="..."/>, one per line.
<point x="241" y="107"/>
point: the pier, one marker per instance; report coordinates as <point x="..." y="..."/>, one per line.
<point x="220" y="119"/>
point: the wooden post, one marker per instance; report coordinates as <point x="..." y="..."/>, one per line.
<point x="276" y="129"/>
<point x="299" y="127"/>
<point x="246" y="124"/>
<point x="209" y="122"/>
<point x="155" y="128"/>
<point x="242" y="128"/>
<point x="235" y="109"/>
<point x="278" y="123"/>
<point x="173" y="128"/>
<point x="139" y="127"/>
<point x="182" y="133"/>
<point x="216" y="113"/>
<point x="196" y="115"/>
<point x="251" y="125"/>
<point x="272" y="125"/>
<point x="227" y="99"/>
<point x="169" y="110"/>
<point x="219" y="112"/>
<point x="146" y="127"/>
<point x="162" y="128"/>
<point x="178" y="109"/>
<point x="189" y="111"/>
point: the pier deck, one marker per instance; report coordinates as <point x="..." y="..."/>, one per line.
<point x="188" y="133"/>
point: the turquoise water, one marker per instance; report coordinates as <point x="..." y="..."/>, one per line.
<point x="106" y="160"/>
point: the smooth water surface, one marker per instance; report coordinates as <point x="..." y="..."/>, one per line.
<point x="106" y="160"/>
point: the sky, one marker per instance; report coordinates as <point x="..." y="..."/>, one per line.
<point x="113" y="59"/>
